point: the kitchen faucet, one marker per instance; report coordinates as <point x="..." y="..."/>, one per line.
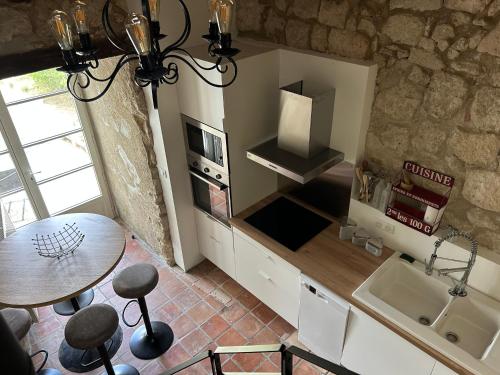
<point x="458" y="289"/>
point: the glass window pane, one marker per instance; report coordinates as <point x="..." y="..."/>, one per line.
<point x="9" y="179"/>
<point x="70" y="190"/>
<point x="17" y="211"/>
<point x="44" y="118"/>
<point x="58" y="156"/>
<point x="3" y="146"/>
<point x="33" y="84"/>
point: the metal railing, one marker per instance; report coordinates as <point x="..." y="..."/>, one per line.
<point x="287" y="355"/>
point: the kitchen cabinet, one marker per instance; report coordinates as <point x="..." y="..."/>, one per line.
<point x="247" y="111"/>
<point x="215" y="242"/>
<point x="269" y="277"/>
<point x="440" y="369"/>
<point x="372" y="349"/>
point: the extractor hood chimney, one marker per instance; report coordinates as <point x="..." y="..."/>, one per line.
<point x="301" y="150"/>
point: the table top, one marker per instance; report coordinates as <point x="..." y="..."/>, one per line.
<point x="30" y="280"/>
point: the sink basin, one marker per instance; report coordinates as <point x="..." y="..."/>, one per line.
<point x="412" y="292"/>
<point x="470" y="324"/>
<point x="465" y="329"/>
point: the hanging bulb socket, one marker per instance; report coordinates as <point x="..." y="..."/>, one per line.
<point x="213" y="26"/>
<point x="224" y="20"/>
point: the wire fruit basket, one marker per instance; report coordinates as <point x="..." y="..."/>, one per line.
<point x="62" y="243"/>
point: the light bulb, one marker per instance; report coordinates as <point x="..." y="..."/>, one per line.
<point x="80" y="17"/>
<point x="224" y="16"/>
<point x="59" y="22"/>
<point x="137" y="27"/>
<point x="213" y="6"/>
<point x="154" y="10"/>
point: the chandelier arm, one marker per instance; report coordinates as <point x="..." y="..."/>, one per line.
<point x="172" y="75"/>
<point x="229" y="59"/>
<point x="219" y="59"/>
<point x="185" y="34"/>
<point x="108" y="29"/>
<point x="107" y="78"/>
<point x="73" y="92"/>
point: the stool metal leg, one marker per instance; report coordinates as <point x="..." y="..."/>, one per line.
<point x="153" y="338"/>
<point x="74" y="304"/>
<point x="117" y="369"/>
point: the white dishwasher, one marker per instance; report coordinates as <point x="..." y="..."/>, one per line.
<point x="322" y="320"/>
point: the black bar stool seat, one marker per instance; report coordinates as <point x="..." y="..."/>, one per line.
<point x="153" y="338"/>
<point x="90" y="328"/>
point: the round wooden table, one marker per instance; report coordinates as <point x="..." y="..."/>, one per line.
<point x="29" y="280"/>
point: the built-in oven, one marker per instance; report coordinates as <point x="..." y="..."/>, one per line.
<point x="211" y="196"/>
<point x="206" y="147"/>
<point x="208" y="168"/>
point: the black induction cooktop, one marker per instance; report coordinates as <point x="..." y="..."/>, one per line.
<point x="288" y="223"/>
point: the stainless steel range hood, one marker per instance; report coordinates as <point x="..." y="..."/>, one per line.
<point x="301" y="150"/>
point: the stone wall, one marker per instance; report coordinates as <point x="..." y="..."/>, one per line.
<point x="124" y="136"/>
<point x="24" y="24"/>
<point x="438" y="87"/>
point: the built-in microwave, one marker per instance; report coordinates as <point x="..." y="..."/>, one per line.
<point x="208" y="168"/>
<point x="206" y="148"/>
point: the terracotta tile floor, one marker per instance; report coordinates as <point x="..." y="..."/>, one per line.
<point x="204" y="307"/>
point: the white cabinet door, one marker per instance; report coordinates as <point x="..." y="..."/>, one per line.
<point x="199" y="100"/>
<point x="441" y="369"/>
<point x="269" y="277"/>
<point x="215" y="242"/>
<point x="372" y="349"/>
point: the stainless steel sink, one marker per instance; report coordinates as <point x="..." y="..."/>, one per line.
<point x="465" y="329"/>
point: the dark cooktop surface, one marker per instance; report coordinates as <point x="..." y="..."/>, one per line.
<point x="288" y="223"/>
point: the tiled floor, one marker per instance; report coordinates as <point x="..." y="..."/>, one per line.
<point x="204" y="307"/>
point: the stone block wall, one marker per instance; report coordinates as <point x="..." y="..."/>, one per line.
<point x="438" y="87"/>
<point x="124" y="136"/>
<point x="24" y="24"/>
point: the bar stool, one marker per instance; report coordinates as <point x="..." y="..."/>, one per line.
<point x="90" y="328"/>
<point x="14" y="327"/>
<point x="19" y="321"/>
<point x="153" y="338"/>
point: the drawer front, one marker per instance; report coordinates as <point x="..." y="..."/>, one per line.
<point x="215" y="242"/>
<point x="273" y="281"/>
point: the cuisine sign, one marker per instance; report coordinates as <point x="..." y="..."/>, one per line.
<point x="428" y="173"/>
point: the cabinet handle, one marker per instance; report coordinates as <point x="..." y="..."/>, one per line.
<point x="214" y="239"/>
<point x="265" y="276"/>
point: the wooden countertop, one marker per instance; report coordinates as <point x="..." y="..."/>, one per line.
<point x="338" y="265"/>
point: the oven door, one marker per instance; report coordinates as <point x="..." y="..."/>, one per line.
<point x="206" y="144"/>
<point x="211" y="196"/>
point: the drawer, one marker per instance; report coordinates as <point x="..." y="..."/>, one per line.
<point x="215" y="242"/>
<point x="271" y="279"/>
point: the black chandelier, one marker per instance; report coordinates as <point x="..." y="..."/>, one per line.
<point x="156" y="66"/>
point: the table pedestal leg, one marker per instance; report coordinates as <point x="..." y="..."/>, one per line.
<point x="74" y="304"/>
<point x="77" y="360"/>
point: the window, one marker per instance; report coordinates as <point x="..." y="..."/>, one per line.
<point x="43" y="127"/>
